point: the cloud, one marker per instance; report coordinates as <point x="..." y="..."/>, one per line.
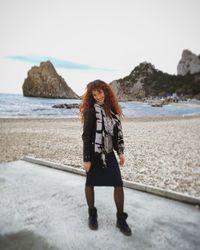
<point x="58" y="63"/>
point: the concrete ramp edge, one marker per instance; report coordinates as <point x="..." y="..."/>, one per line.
<point x="128" y="184"/>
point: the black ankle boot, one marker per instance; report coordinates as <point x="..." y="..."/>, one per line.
<point x="92" y="220"/>
<point x="122" y="224"/>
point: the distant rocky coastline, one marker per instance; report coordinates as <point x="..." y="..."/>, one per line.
<point x="147" y="82"/>
<point x="44" y="81"/>
<point x="144" y="83"/>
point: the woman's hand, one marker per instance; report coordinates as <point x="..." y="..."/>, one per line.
<point x="121" y="160"/>
<point x="87" y="165"/>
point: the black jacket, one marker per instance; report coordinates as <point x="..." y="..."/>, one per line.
<point x="88" y="136"/>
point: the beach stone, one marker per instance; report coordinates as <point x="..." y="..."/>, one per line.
<point x="44" y="81"/>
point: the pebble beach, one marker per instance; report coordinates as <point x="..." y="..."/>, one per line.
<point x="162" y="152"/>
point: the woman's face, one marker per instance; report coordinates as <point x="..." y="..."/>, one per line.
<point x="98" y="95"/>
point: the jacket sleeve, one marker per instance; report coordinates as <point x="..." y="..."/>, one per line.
<point x="88" y="127"/>
<point x="118" y="139"/>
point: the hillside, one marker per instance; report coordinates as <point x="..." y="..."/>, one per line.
<point x="146" y="81"/>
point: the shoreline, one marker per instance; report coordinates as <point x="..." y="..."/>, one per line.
<point x="160" y="151"/>
<point x="124" y="119"/>
<point x="171" y="110"/>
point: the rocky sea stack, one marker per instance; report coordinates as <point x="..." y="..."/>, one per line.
<point x="145" y="81"/>
<point x="44" y="81"/>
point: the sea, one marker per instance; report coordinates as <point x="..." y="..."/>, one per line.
<point x="16" y="105"/>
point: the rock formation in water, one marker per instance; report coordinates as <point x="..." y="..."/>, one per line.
<point x="66" y="106"/>
<point x="44" y="81"/>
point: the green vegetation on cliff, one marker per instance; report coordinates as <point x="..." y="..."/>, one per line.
<point x="156" y="83"/>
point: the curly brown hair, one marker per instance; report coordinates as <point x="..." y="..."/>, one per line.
<point x="110" y="102"/>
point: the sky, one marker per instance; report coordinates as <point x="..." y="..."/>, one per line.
<point x="94" y="39"/>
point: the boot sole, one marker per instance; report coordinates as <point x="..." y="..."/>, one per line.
<point x="92" y="227"/>
<point x="125" y="233"/>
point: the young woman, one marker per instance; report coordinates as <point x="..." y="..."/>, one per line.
<point x="102" y="132"/>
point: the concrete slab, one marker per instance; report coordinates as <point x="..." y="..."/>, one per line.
<point x="43" y="208"/>
<point x="130" y="184"/>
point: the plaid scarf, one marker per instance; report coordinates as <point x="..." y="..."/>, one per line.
<point x="106" y="126"/>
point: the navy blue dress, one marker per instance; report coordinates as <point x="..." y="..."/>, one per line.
<point x="109" y="176"/>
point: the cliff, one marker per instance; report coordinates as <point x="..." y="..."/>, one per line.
<point x="44" y="81"/>
<point x="189" y="63"/>
<point x="146" y="81"/>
